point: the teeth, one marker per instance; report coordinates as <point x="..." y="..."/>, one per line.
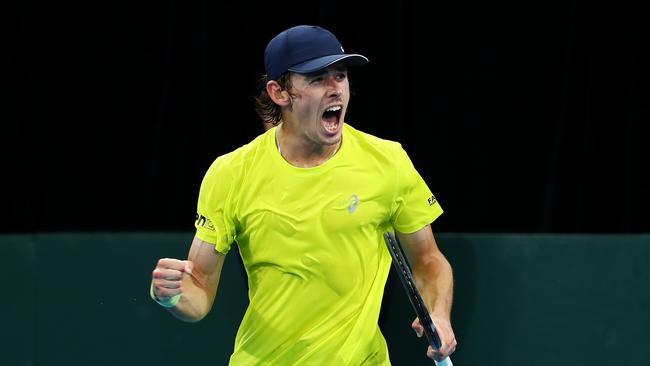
<point x="330" y="127"/>
<point x="333" y="109"/>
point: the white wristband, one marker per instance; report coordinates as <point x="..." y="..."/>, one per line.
<point x="169" y="303"/>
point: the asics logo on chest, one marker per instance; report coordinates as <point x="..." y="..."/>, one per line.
<point x="353" y="202"/>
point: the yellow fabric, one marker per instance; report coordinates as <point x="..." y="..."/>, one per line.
<point x="311" y="241"/>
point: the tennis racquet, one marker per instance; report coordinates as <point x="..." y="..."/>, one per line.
<point x="404" y="273"/>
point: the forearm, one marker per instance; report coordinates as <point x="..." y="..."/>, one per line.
<point x="195" y="302"/>
<point x="434" y="278"/>
<point x="187" y="288"/>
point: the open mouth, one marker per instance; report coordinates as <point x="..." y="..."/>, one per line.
<point x="331" y="118"/>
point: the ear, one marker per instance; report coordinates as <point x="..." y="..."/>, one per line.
<point x="278" y="96"/>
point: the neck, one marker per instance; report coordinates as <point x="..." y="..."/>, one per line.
<point x="306" y="155"/>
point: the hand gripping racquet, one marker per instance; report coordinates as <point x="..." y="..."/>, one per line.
<point x="404" y="273"/>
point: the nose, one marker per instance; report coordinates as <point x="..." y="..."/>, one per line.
<point x="336" y="93"/>
<point x="334" y="83"/>
<point x="335" y="87"/>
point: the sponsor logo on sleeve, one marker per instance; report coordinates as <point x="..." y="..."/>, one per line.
<point x="204" y="222"/>
<point x="432" y="200"/>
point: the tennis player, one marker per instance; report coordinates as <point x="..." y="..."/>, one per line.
<point x="307" y="203"/>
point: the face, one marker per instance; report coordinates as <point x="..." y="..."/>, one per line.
<point x="319" y="101"/>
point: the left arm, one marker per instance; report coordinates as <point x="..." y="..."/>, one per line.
<point x="434" y="279"/>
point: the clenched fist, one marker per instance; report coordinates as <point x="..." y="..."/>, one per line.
<point x="167" y="277"/>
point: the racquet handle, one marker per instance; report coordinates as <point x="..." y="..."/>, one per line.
<point x="445" y="362"/>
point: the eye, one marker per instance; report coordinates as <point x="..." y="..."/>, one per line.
<point x="341" y="76"/>
<point x="316" y="80"/>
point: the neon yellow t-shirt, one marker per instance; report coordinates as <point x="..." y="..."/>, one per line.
<point x="311" y="242"/>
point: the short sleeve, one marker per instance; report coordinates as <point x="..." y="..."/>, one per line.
<point x="214" y="219"/>
<point x="414" y="205"/>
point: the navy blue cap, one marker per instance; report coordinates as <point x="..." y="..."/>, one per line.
<point x="304" y="49"/>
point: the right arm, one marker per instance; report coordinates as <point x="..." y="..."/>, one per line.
<point x="195" y="279"/>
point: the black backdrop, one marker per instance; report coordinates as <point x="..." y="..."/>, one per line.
<point x="521" y="116"/>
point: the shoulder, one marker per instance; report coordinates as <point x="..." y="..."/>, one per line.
<point x="238" y="161"/>
<point x="372" y="144"/>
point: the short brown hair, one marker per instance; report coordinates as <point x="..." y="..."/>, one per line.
<point x="265" y="107"/>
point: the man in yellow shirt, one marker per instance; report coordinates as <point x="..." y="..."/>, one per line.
<point x="308" y="202"/>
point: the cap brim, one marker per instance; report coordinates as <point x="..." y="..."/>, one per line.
<point x="325" y="61"/>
